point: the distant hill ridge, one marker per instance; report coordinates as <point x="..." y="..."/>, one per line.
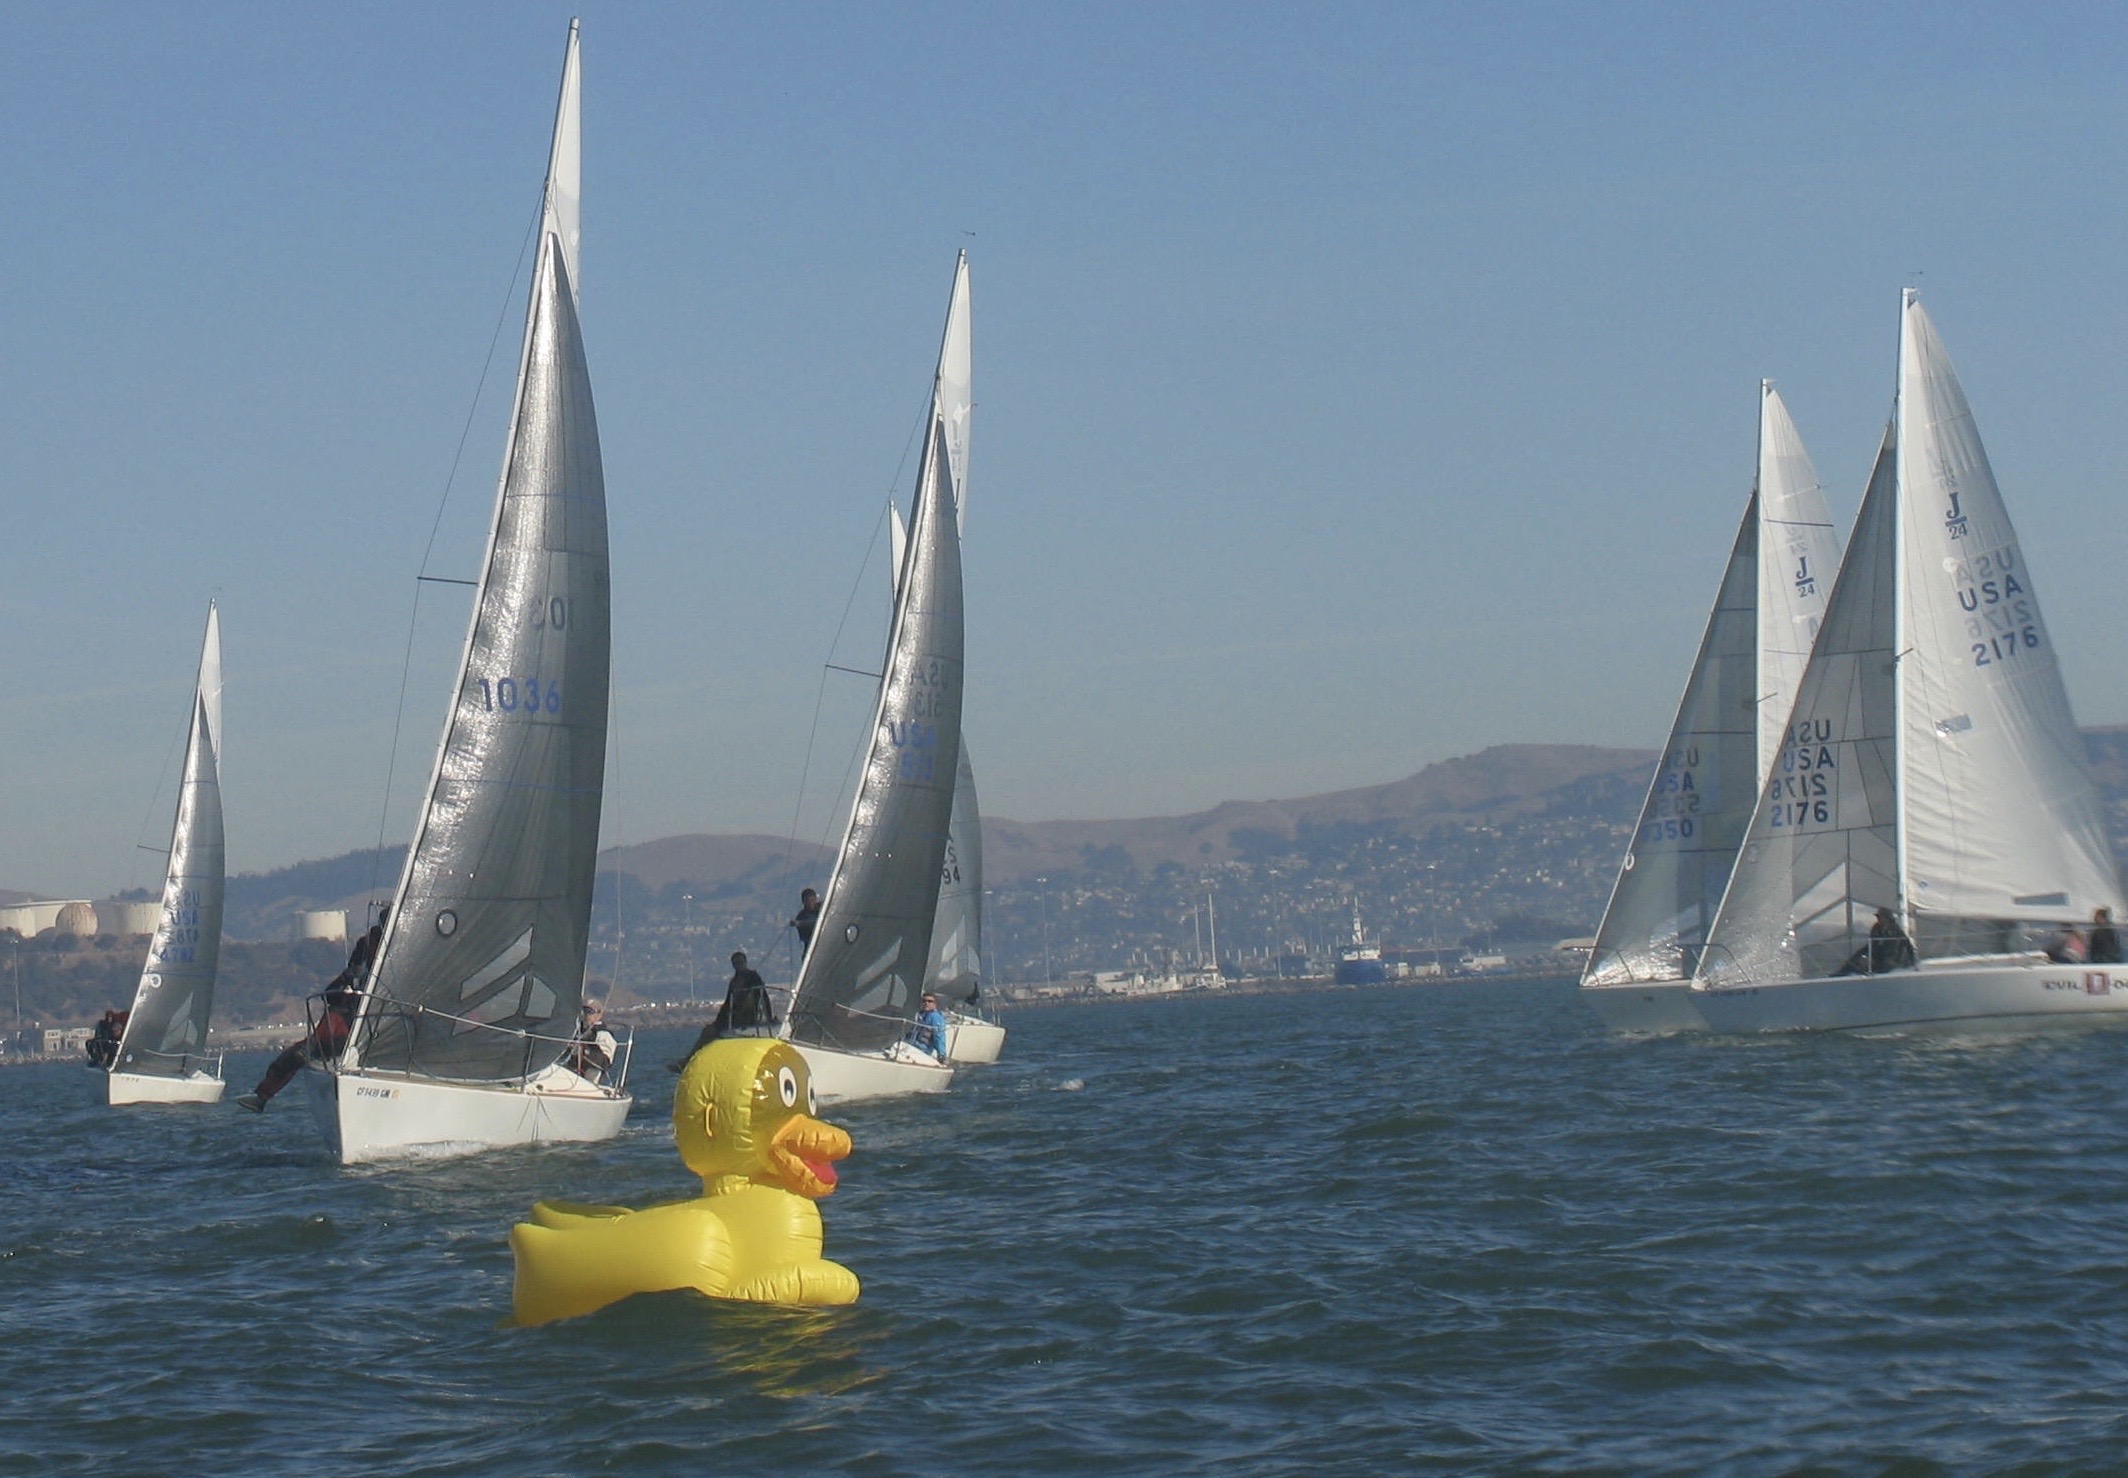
<point x="1507" y="780"/>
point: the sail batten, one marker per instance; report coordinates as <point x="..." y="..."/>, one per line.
<point x="175" y="997"/>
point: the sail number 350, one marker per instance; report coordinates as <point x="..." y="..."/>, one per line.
<point x="519" y="695"/>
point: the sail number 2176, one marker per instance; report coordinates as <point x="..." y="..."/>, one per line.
<point x="527" y="696"/>
<point x="2000" y="648"/>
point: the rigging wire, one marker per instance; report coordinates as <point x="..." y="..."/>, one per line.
<point x="148" y="815"/>
<point x="413" y="620"/>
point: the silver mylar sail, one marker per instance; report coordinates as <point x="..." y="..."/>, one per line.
<point x="176" y="993"/>
<point x="482" y="965"/>
<point x="860" y="979"/>
<point x="956" y="967"/>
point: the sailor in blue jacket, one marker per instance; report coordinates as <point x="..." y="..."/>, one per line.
<point x="929" y="1032"/>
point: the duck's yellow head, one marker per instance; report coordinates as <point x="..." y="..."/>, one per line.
<point x="744" y="1108"/>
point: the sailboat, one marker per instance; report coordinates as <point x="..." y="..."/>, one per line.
<point x="859" y="982"/>
<point x="1931" y="787"/>
<point x="1723" y="742"/>
<point x="458" y="1043"/>
<point x="161" y="1056"/>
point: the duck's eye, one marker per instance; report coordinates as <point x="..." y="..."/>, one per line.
<point x="787" y="1085"/>
<point x="812" y="1101"/>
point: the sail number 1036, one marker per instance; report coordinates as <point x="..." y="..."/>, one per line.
<point x="527" y="696"/>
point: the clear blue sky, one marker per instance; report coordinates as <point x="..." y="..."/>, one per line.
<point x="1355" y="386"/>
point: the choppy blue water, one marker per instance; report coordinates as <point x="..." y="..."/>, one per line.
<point x="1451" y="1226"/>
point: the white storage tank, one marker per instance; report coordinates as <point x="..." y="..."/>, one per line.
<point x="77" y="918"/>
<point x="120" y="917"/>
<point x="322" y="923"/>
<point x="31" y="919"/>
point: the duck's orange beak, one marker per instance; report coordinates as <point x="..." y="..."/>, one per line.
<point x="801" y="1155"/>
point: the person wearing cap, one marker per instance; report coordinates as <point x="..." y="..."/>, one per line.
<point x="591" y="1053"/>
<point x="928" y="1032"/>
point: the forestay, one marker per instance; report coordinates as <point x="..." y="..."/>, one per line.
<point x="1822" y="853"/>
<point x="956" y="967"/>
<point x="859" y="980"/>
<point x="2002" y="819"/>
<point x="171" y="1006"/>
<point x="482" y="966"/>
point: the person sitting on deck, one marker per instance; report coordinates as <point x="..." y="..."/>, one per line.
<point x="1888" y="949"/>
<point x="928" y="1032"/>
<point x="747" y="1008"/>
<point x="103" y="1045"/>
<point x="591" y="1052"/>
<point x="2105" y="939"/>
<point x="342" y="995"/>
<point x="2066" y="945"/>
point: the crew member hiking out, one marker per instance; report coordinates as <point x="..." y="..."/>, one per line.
<point x="342" y="995"/>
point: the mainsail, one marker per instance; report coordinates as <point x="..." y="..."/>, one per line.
<point x="1932" y="765"/>
<point x="859" y="980"/>
<point x="482" y="965"/>
<point x="2002" y="820"/>
<point x="168" y="1022"/>
<point x="1728" y="723"/>
<point x="956" y="967"/>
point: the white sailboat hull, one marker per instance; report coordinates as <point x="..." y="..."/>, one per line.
<point x="972" y="1039"/>
<point x="1942" y="992"/>
<point x="193" y="1087"/>
<point x="1660" y="1006"/>
<point x="382" y="1116"/>
<point x="846" y="1077"/>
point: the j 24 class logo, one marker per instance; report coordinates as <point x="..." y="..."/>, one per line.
<point x="1805" y="582"/>
<point x="1954" y="518"/>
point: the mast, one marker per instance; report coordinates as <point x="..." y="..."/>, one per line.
<point x="1900" y="441"/>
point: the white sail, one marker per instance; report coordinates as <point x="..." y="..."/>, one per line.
<point x="956" y="968"/>
<point x="1700" y="799"/>
<point x="1724" y="739"/>
<point x="561" y="215"/>
<point x="859" y="980"/>
<point x="956" y="388"/>
<point x="482" y="965"/>
<point x="167" y="1027"/>
<point x="1799" y="553"/>
<point x="1821" y="855"/>
<point x="898" y="544"/>
<point x="2002" y="821"/>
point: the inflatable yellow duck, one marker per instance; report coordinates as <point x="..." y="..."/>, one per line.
<point x="742" y="1118"/>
